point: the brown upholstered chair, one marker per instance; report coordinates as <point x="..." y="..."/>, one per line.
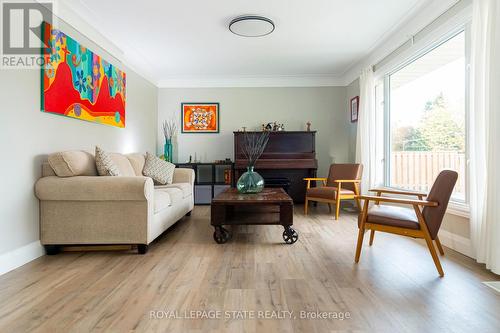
<point x="411" y="222"/>
<point x="342" y="184"/>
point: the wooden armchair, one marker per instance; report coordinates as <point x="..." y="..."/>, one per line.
<point x="342" y="184"/>
<point x="412" y="222"/>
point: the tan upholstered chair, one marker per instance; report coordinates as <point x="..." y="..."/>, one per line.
<point x="342" y="184"/>
<point x="412" y="222"/>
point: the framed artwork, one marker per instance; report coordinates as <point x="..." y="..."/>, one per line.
<point x="354" y="109"/>
<point x="200" y="117"/>
<point x="78" y="83"/>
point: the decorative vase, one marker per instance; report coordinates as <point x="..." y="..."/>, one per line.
<point x="167" y="152"/>
<point x="250" y="182"/>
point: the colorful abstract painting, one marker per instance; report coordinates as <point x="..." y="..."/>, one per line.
<point x="200" y="117"/>
<point x="78" y="83"/>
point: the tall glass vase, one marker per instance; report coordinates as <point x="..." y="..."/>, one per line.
<point x="250" y="182"/>
<point x="168" y="151"/>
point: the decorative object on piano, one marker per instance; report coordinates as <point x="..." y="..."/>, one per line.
<point x="279" y="127"/>
<point x="253" y="146"/>
<point x="200" y="117"/>
<point x="308" y="124"/>
<point x="169" y="130"/>
<point x="354" y="109"/>
<point x="273" y="127"/>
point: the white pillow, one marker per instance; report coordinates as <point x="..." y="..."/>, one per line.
<point x="104" y="163"/>
<point x="73" y="163"/>
<point x="161" y="171"/>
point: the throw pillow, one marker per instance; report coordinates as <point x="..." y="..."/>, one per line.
<point x="72" y="163"/>
<point x="161" y="171"/>
<point x="104" y="163"/>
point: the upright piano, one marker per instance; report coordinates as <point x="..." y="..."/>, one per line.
<point x="289" y="155"/>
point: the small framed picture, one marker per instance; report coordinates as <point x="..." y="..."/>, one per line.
<point x="354" y="109"/>
<point x="200" y="117"/>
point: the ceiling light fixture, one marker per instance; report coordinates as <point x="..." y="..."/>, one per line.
<point x="251" y="26"/>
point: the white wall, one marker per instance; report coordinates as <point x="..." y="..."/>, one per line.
<point x="27" y="135"/>
<point x="325" y="107"/>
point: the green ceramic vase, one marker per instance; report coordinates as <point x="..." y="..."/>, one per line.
<point x="250" y="182"/>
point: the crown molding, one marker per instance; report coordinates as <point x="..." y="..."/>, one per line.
<point x="251" y="81"/>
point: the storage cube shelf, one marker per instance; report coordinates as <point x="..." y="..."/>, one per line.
<point x="210" y="179"/>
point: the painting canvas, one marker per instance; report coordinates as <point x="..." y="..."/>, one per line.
<point x="78" y="83"/>
<point x="200" y="117"/>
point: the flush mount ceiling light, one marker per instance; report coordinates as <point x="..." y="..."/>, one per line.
<point x="251" y="26"/>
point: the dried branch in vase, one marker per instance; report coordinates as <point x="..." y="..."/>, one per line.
<point x="169" y="129"/>
<point x="254" y="145"/>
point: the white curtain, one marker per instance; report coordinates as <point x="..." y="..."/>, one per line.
<point x="366" y="133"/>
<point x="485" y="133"/>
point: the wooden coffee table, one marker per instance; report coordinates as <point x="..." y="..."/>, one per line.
<point x="272" y="206"/>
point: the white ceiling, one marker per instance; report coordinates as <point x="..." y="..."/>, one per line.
<point x="185" y="40"/>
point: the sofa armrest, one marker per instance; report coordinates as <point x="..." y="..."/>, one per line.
<point x="183" y="175"/>
<point x="92" y="188"/>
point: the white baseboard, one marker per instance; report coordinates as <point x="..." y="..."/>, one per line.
<point x="18" y="257"/>
<point x="456" y="242"/>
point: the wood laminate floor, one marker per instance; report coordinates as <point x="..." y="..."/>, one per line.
<point x="394" y="288"/>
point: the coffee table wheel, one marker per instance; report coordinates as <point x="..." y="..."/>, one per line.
<point x="290" y="236"/>
<point x="221" y="235"/>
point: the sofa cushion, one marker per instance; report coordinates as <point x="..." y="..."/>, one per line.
<point x="47" y="170"/>
<point x="183" y="175"/>
<point x="137" y="161"/>
<point x="186" y="188"/>
<point x="123" y="164"/>
<point x="174" y="193"/>
<point x="105" y="165"/>
<point x="73" y="163"/>
<point x="162" y="200"/>
<point x="161" y="171"/>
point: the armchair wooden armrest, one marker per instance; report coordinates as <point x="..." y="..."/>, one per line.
<point x="347" y="181"/>
<point x="368" y="198"/>
<point x="313" y="178"/>
<point x="379" y="191"/>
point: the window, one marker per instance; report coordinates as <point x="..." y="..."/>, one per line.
<point x="427" y="119"/>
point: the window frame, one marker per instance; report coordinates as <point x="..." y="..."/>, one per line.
<point x="457" y="206"/>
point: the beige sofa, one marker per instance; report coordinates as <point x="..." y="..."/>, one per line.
<point x="84" y="208"/>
